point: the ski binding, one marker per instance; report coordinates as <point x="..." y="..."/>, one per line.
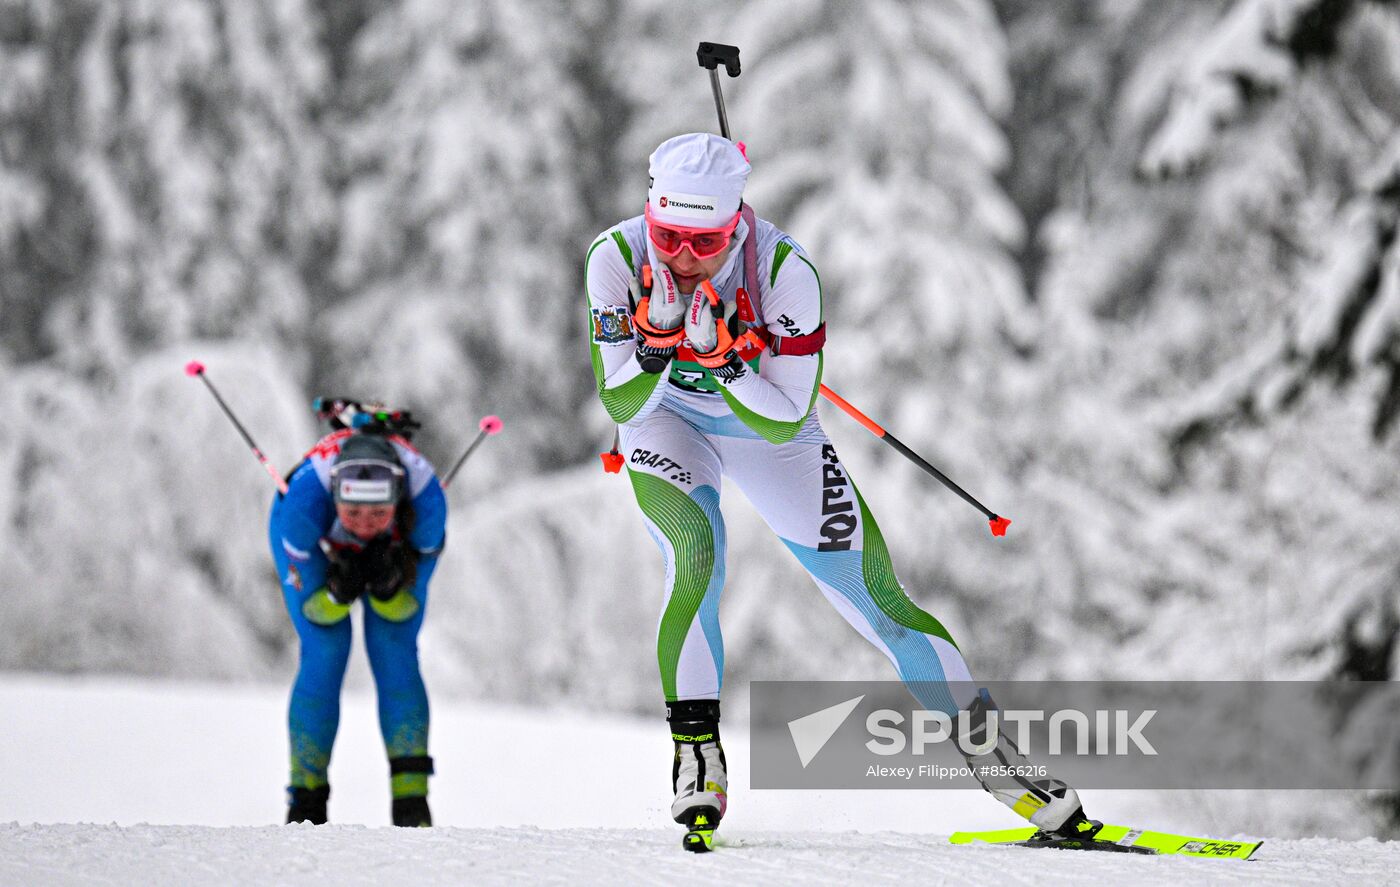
<point x="700" y="830"/>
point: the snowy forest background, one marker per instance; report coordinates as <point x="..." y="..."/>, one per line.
<point x="1127" y="269"/>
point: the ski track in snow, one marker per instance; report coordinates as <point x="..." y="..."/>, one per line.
<point x="350" y="855"/>
<point x="511" y="807"/>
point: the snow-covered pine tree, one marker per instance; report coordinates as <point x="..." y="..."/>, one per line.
<point x="1322" y="382"/>
<point x="463" y="133"/>
<point x="1219" y="258"/>
<point x="161" y="184"/>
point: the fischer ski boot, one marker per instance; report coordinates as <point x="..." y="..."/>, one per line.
<point x="408" y="779"/>
<point x="698" y="774"/>
<point x="307" y="804"/>
<point x="1049" y="803"/>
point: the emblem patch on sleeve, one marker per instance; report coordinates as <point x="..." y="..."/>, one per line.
<point x="611" y="325"/>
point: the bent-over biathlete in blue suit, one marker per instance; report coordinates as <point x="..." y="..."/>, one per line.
<point x="317" y="559"/>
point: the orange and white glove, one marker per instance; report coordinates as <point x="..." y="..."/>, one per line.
<point x="658" y="319"/>
<point x="712" y="326"/>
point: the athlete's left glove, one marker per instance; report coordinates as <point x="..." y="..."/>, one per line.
<point x="712" y="326"/>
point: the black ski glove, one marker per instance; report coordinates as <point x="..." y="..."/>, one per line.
<point x="344" y="583"/>
<point x="386" y="566"/>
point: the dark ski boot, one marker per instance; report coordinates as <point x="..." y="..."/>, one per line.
<point x="412" y="813"/>
<point x="409" y="775"/>
<point x="307" y="804"/>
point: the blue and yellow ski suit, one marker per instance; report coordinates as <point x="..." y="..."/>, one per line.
<point x="300" y="520"/>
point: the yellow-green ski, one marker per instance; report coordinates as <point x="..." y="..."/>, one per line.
<point x="1118" y="838"/>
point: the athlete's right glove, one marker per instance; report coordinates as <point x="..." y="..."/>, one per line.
<point x="344" y="580"/>
<point x="659" y="319"/>
<point x="331" y="602"/>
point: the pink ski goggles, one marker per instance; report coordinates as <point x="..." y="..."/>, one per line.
<point x="704" y="243"/>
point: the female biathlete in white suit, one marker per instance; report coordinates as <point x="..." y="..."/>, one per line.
<point x="706" y="333"/>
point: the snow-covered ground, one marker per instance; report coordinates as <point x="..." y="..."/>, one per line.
<point x="107" y="781"/>
<point x="349" y="855"/>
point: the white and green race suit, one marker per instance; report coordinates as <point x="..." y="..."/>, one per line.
<point x="681" y="430"/>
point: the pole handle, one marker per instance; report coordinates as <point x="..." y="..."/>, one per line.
<point x="712" y="55"/>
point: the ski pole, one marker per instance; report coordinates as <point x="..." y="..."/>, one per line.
<point x="489" y="425"/>
<point x="711" y="55"/>
<point x="998" y="524"/>
<point x="195" y="368"/>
